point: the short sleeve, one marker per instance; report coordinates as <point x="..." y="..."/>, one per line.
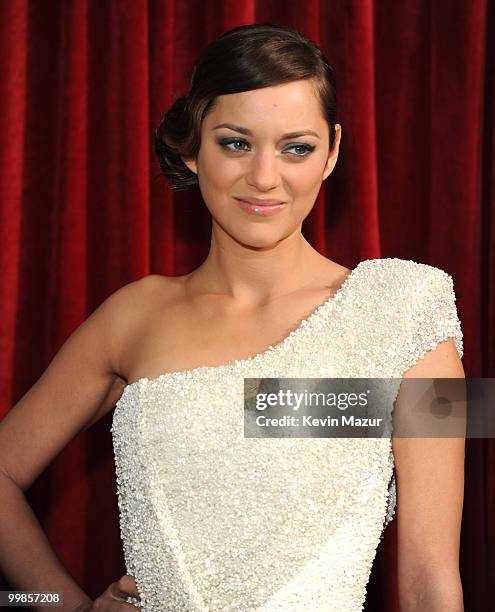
<point x="426" y="314"/>
<point x="433" y="316"/>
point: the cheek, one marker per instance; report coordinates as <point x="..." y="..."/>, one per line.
<point x="315" y="168"/>
<point x="216" y="167"/>
<point x="305" y="178"/>
<point x="216" y="175"/>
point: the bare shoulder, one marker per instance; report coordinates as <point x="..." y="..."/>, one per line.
<point x="80" y="385"/>
<point x="144" y="295"/>
<point x="155" y="286"/>
<point x="133" y="308"/>
<point x="119" y="313"/>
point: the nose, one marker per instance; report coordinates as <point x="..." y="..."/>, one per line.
<point x="263" y="172"/>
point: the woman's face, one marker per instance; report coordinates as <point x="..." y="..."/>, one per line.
<point x="254" y="158"/>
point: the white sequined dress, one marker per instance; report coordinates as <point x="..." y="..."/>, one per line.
<point x="213" y="521"/>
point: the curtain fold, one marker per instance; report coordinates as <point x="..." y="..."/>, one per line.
<point x="83" y="209"/>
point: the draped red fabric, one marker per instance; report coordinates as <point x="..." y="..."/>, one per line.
<point x="84" y="82"/>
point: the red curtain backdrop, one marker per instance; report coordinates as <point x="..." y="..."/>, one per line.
<point x="84" y="82"/>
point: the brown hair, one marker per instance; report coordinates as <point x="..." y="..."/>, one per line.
<point x="248" y="57"/>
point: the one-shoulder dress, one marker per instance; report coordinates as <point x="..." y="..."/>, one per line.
<point x="211" y="520"/>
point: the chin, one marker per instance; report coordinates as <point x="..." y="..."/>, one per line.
<point x="259" y="238"/>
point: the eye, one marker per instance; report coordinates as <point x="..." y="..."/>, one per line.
<point x="226" y="143"/>
<point x="305" y="147"/>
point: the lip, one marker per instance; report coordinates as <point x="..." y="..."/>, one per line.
<point x="260" y="202"/>
<point x="261" y="208"/>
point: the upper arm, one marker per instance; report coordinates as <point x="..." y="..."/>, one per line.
<point x="79" y="385"/>
<point x="430" y="486"/>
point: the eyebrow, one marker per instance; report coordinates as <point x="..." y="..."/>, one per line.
<point x="242" y="130"/>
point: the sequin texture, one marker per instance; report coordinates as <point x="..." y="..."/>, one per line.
<point x="211" y="521"/>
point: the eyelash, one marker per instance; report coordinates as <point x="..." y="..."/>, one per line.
<point x="225" y="142"/>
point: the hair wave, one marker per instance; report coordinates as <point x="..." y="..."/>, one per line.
<point x="245" y="58"/>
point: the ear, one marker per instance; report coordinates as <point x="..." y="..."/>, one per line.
<point x="191" y="164"/>
<point x="334" y="153"/>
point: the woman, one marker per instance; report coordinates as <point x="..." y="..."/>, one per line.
<point x="210" y="519"/>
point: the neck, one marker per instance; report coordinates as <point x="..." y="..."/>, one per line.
<point x="256" y="274"/>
